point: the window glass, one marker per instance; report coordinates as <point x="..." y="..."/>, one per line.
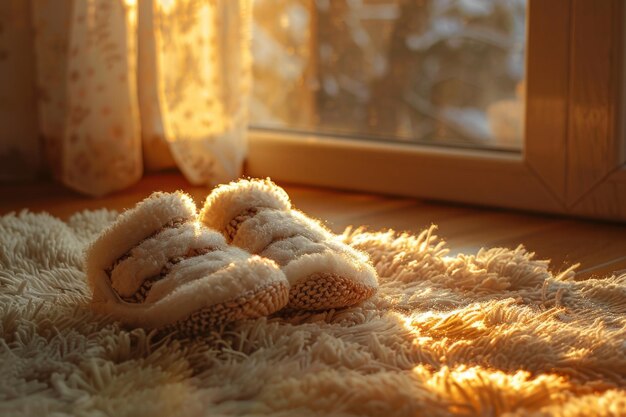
<point x="438" y="72"/>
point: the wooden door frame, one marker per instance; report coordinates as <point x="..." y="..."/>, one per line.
<point x="573" y="159"/>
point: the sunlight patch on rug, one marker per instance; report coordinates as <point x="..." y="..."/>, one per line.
<point x="495" y="333"/>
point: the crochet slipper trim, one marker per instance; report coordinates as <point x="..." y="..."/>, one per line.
<point x="252" y="304"/>
<point x="327" y="290"/>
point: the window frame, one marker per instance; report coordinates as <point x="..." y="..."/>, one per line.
<point x="572" y="162"/>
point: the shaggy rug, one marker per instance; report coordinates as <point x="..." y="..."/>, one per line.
<point x="494" y="333"/>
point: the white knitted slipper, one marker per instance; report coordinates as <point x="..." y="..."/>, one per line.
<point x="157" y="267"/>
<point x="322" y="271"/>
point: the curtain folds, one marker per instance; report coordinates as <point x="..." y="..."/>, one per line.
<point x="123" y="84"/>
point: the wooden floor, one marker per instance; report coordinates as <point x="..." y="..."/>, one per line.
<point x="600" y="248"/>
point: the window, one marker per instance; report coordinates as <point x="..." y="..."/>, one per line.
<point x="511" y="103"/>
<point x="446" y="73"/>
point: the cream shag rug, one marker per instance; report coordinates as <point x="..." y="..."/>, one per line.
<point x="492" y="334"/>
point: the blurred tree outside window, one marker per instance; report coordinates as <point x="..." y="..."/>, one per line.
<point x="439" y="72"/>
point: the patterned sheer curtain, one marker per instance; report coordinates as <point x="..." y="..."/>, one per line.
<point x="99" y="90"/>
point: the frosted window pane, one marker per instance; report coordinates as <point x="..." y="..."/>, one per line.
<point x="440" y="72"/>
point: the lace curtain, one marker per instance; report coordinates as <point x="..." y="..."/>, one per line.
<point x="99" y="89"/>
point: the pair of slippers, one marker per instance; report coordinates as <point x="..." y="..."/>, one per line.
<point x="247" y="254"/>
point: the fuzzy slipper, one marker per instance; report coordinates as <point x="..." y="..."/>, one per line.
<point x="322" y="271"/>
<point x="157" y="267"/>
